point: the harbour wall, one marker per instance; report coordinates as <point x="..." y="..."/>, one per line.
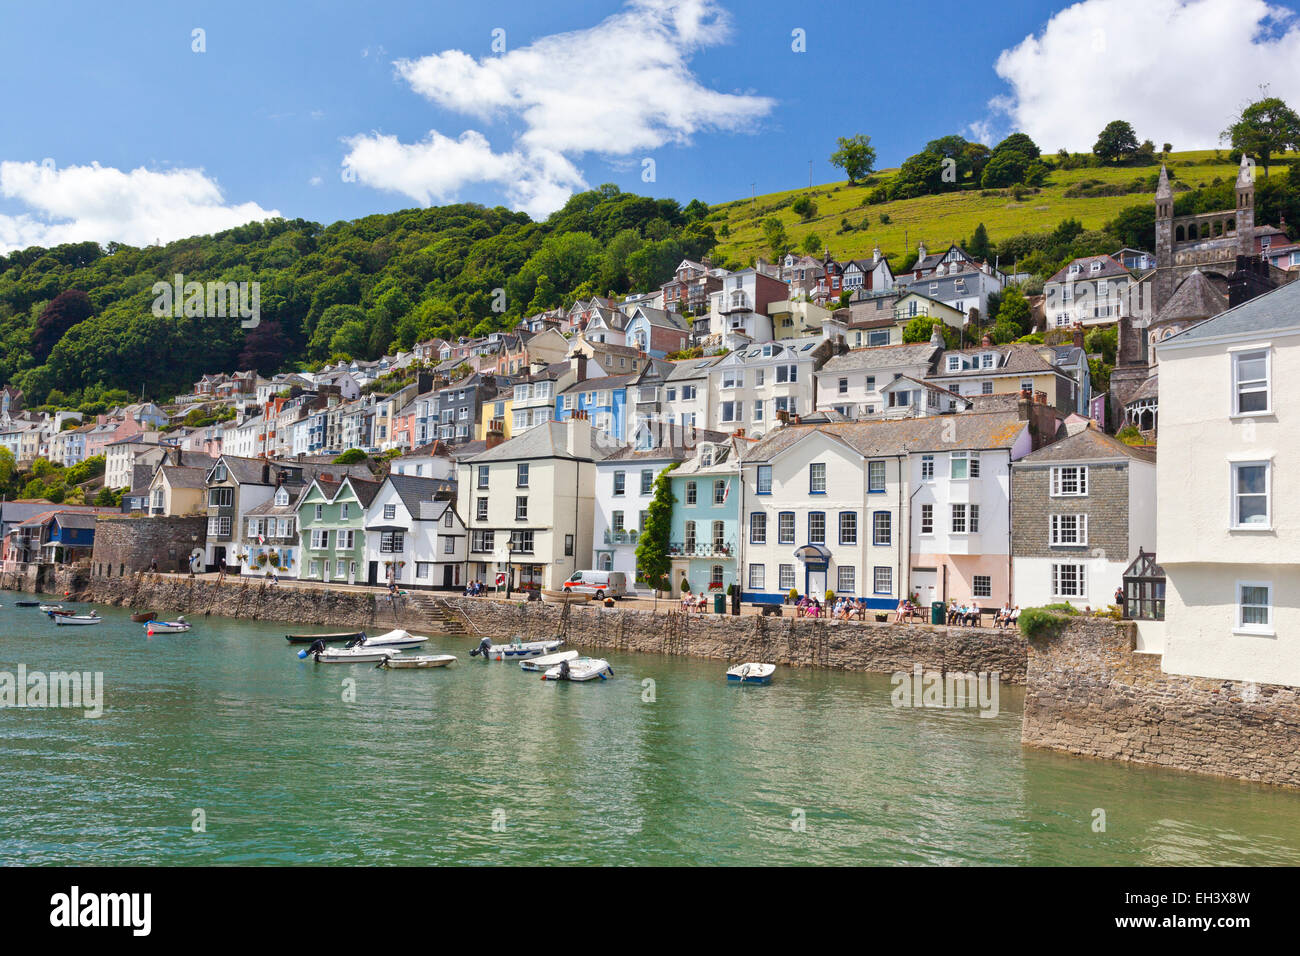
<point x="1088" y="692"/>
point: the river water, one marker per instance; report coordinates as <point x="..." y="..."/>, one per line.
<point x="220" y="747"/>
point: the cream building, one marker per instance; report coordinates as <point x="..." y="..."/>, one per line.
<point x="1228" y="487"/>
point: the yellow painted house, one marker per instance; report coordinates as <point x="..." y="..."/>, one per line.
<point x="499" y="408"/>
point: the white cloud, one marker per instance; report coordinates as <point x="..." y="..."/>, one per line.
<point x="1178" y="70"/>
<point x="105" y="204"/>
<point x="621" y="87"/>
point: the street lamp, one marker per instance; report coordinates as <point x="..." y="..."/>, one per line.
<point x="510" y="561"/>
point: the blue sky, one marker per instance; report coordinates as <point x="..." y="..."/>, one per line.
<point x="301" y="110"/>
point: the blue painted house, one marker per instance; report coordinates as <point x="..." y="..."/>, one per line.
<point x="706" y="517"/>
<point x="604" y="400"/>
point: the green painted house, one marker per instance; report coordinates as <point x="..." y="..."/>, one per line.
<point x="332" y="531"/>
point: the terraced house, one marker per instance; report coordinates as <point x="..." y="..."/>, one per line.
<point x="412" y="530"/>
<point x="706" y="516"/>
<point x="332" y="531"/>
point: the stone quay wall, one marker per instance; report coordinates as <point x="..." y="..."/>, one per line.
<point x="797" y="642"/>
<point x="1089" y="693"/>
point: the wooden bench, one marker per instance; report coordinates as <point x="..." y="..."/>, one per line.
<point x="767" y="609"/>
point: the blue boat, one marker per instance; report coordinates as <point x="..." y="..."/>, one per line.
<point x="751" y="673"/>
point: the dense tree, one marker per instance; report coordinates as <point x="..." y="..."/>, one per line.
<point x="68" y="309"/>
<point x="1116" y="143"/>
<point x="1265" y="127"/>
<point x="855" y="155"/>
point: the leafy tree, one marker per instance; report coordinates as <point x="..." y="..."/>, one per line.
<point x="979" y="245"/>
<point x="66" y="310"/>
<point x="1014" y="311"/>
<point x="812" y="244"/>
<point x="1265" y="127"/>
<point x="1005" y="169"/>
<point x="921" y="328"/>
<point x="855" y="155"/>
<point x="778" y="243"/>
<point x="653" y="565"/>
<point x="1116" y="143"/>
<point x="804" y="207"/>
<point x="353" y="456"/>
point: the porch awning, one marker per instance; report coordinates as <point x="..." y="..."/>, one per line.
<point x="813" y="555"/>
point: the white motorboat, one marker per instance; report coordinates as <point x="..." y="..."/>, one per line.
<point x="64" y="620"/>
<point x="397" y="638"/>
<point x="547" y="662"/>
<point x="178" y="626"/>
<point x="580" y="669"/>
<point x="418" y="660"/>
<point x="359" y="654"/>
<point x="47" y="608"/>
<point x="517" y="650"/>
<point x="751" y="673"/>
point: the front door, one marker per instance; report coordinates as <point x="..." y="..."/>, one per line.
<point x="447" y="570"/>
<point x="372" y="577"/>
<point x="816" y="584"/>
<point x="925" y="584"/>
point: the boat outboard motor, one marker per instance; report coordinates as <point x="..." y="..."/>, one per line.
<point x="564" y="670"/>
<point x="484" y="646"/>
<point x="316" y="647"/>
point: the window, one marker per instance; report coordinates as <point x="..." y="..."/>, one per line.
<point x="958" y="519"/>
<point x="927" y="467"/>
<point x="423" y="569"/>
<point x="448" y="545"/>
<point x="848" y="527"/>
<point x="883" y="580"/>
<point x="875" y="476"/>
<point x="647" y="481"/>
<point x="719" y="492"/>
<point x="690" y="537"/>
<point x="691" y="493"/>
<point x="1069" y="481"/>
<point x="757" y="573"/>
<point x="521" y="508"/>
<point x="846" y="580"/>
<point x="392" y="542"/>
<point x="568" y="545"/>
<point x="758" y="528"/>
<point x="881" y="528"/>
<point x="616" y="521"/>
<point x="340" y="569"/>
<point x="482" y="476"/>
<point x="521" y="475"/>
<point x="1069" y="529"/>
<point x="1250" y="374"/>
<point x="343" y="540"/>
<point x="959" y="466"/>
<point x="482" y="509"/>
<point x="817" y="478"/>
<point x="758" y="410"/>
<point x="927" y="519"/>
<point x="620" y="482"/>
<point x="1254" y="607"/>
<point x="320" y="539"/>
<point x="785" y="528"/>
<point x="449" y="519"/>
<point x="1250" y="495"/>
<point x="973" y="512"/>
<point x="222" y="497"/>
<point x="521" y="541"/>
<point x="733" y="411"/>
<point x="986" y="388"/>
<point x="982" y="586"/>
<point x="719" y="536"/>
<point x="785" y="577"/>
<point x="1069" y="580"/>
<point x="764" y="479"/>
<point x="844" y="386"/>
<point x="390" y="511"/>
<point x="481" y="541"/>
<point x="816" y="527"/>
<point x="715" y="576"/>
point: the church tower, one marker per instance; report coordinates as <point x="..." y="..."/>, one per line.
<point x="1164" y="278"/>
<point x="1246" y="207"/>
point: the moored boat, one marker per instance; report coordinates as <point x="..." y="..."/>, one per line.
<point x="548" y="661"/>
<point x="580" y="669"/>
<point x="563" y="597"/>
<point x="518" y="650"/>
<point x="335" y="638"/>
<point x="27" y="604"/>
<point x="70" y="619"/>
<point x="396" y="638"/>
<point x="418" y="660"/>
<point x="178" y="626"/>
<point x="359" y="654"/>
<point x="141" y="617"/>
<point x="752" y="672"/>
<point x="47" y="608"/>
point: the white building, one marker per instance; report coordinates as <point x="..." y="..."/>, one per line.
<point x="752" y="386"/>
<point x="851" y="383"/>
<point x="433" y="537"/>
<point x="1228" y="485"/>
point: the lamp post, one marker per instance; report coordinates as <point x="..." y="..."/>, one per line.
<point x="510" y="563"/>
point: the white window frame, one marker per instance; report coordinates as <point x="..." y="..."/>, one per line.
<point x="1081" y="481"/>
<point x="846" y="579"/>
<point x="1080" y="538"/>
<point x="1235" y="513"/>
<point x="1082" y="579"/>
<point x="757" y="576"/>
<point x="1265" y="629"/>
<point x="1267" y="382"/>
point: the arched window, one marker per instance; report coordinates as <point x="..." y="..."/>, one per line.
<point x="606" y="561"/>
<point x="1179" y="235"/>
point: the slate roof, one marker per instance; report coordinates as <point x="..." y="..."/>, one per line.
<point x="414" y="490"/>
<point x="882" y="356"/>
<point x="692" y="368"/>
<point x="673" y="449"/>
<point x="900" y="436"/>
<point x="548" y="440"/>
<point x="1271" y="312"/>
<point x="1089" y="444"/>
<point x="1020" y="359"/>
<point x="183" y="476"/>
<point x="1195" y="298"/>
<point x="1109" y="269"/>
<point x="600" y="384"/>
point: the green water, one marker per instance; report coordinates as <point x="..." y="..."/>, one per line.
<point x="227" y="720"/>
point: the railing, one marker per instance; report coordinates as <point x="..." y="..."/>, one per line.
<point x="621" y="537"/>
<point x="712" y="549"/>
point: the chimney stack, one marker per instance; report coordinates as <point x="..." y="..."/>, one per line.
<point x="495" y="434"/>
<point x="578" y="362"/>
<point x="1078" y="336"/>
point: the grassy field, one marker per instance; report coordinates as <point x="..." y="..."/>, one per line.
<point x="940" y="220"/>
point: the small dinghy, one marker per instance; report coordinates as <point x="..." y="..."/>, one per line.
<point x="47" y="608"/>
<point x="337" y="638"/>
<point x="54" y="614"/>
<point x="140" y="617"/>
<point x="547" y="662"/>
<point x="27" y="604"/>
<point x="752" y="673"/>
<point x="516" y="651"/>
<point x="397" y="638"/>
<point x="178" y="626"/>
<point x="418" y="660"/>
<point x="68" y="619"/>
<point x="580" y="669"/>
<point x="359" y="654"/>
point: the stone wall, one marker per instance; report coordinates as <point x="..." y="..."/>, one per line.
<point x="883" y="648"/>
<point x="1088" y="693"/>
<point x="126" y="544"/>
<point x="1106" y="505"/>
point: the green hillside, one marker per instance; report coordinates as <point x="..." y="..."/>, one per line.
<point x="949" y="217"/>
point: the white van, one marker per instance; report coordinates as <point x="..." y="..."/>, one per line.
<point x="602" y="583"/>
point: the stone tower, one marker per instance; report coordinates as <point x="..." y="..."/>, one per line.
<point x="1164" y="278"/>
<point x="1246" y="208"/>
